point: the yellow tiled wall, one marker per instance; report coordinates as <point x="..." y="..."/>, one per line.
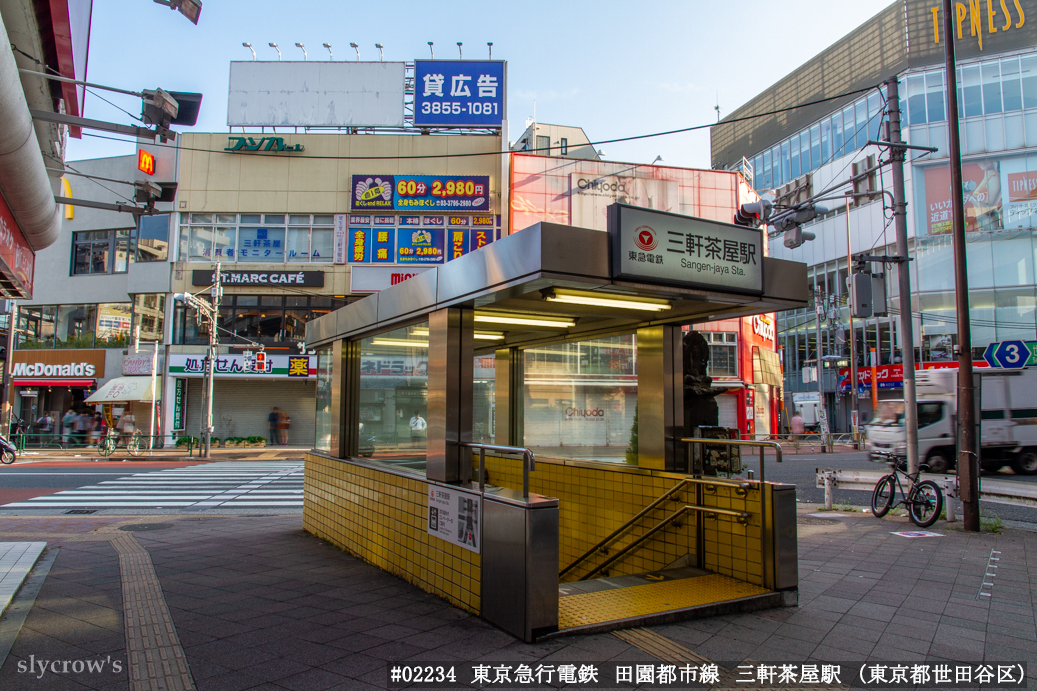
<point x="595" y="499"/>
<point x="381" y="518"/>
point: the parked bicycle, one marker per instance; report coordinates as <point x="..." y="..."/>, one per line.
<point x="923" y="499"/>
<point x="135" y="443"/>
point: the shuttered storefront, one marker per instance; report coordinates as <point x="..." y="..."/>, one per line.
<point x="728" y="404"/>
<point x="241" y="408"/>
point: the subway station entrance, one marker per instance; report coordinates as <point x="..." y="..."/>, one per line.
<point x="518" y="431"/>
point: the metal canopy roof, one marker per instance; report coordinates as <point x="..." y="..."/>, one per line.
<point x="511" y="274"/>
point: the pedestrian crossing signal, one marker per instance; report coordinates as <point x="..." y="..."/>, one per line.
<point x="261" y="361"/>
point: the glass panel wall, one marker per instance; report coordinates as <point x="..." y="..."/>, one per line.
<point x="580" y="399"/>
<point x="394" y="396"/>
<point x="263" y="238"/>
<point x="483" y="408"/>
<point x="325" y="423"/>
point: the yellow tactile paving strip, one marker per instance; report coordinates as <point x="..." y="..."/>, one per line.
<point x="602" y="606"/>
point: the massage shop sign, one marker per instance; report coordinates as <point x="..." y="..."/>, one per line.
<point x="236" y="366"/>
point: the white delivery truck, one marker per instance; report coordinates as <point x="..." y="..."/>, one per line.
<point x="808" y="406"/>
<point x="1008" y="420"/>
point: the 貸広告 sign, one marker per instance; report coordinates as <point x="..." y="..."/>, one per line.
<point x="276" y="367"/>
<point x="312" y="279"/>
<point x="658" y="247"/>
<point x="420" y="193"/>
<point x="454" y="516"/>
<point x="459" y="93"/>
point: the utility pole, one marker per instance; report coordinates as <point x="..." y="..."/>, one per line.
<point x="968" y="458"/>
<point x="855" y="401"/>
<point x="897" y="154"/>
<point x="822" y="408"/>
<point x="5" y="412"/>
<point x="214" y="340"/>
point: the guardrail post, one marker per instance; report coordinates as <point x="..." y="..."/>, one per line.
<point x="829" y="488"/>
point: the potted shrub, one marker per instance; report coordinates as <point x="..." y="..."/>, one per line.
<point x="184" y="441"/>
<point x="214" y="443"/>
<point x="256" y="440"/>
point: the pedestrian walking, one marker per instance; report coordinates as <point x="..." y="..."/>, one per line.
<point x="417" y="426"/>
<point x="67" y="421"/>
<point x="274" y="421"/>
<point x="45" y="426"/>
<point x="282" y="428"/>
<point x="797" y="423"/>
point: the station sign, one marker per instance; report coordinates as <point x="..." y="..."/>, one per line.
<point x="459" y="93"/>
<point x="417" y="193"/>
<point x="670" y="249"/>
<point x="455" y="515"/>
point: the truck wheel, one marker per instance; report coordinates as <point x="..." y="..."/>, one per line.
<point x="1025" y="463"/>
<point x="938" y="462"/>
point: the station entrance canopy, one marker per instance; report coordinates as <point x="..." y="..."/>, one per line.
<point x="651" y="274"/>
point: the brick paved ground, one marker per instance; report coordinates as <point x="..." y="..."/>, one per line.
<point x="258" y="604"/>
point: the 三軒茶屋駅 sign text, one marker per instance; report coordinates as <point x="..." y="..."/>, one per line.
<point x="660" y="247"/>
<point x="248" y="145"/>
<point x="313" y="279"/>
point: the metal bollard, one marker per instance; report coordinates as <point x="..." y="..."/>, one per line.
<point x="829" y="489"/>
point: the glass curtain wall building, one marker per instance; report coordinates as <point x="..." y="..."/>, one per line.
<point x="997" y="101"/>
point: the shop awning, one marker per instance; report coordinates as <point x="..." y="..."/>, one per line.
<point x="123" y="390"/>
<point x="766" y="367"/>
<point x="74" y="383"/>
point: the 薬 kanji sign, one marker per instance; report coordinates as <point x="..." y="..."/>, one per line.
<point x="659" y="247"/>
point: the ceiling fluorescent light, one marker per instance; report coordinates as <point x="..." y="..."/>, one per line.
<point x="617" y="302"/>
<point x="488" y="318"/>
<point x="399" y="343"/>
<point x="488" y="336"/>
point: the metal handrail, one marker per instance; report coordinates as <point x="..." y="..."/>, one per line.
<point x="742" y="517"/>
<point x="528" y="462"/>
<point x="621" y="530"/>
<point x="738" y="442"/>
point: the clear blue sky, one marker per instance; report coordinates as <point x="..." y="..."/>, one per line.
<point x="614" y="68"/>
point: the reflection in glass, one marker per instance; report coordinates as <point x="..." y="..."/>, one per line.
<point x="581" y="398"/>
<point x="324" y="420"/>
<point x="482" y="402"/>
<point x="394" y="395"/>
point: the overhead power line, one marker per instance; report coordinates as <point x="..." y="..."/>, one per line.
<point x="599" y="142"/>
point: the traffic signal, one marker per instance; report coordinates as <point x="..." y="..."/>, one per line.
<point x="260" y="361"/>
<point x="753" y="214"/>
<point x="796" y="236"/>
<point x="790" y="223"/>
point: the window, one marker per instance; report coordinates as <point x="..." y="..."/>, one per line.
<point x="114" y="321"/>
<point x="723" y="353"/>
<point x="153" y="238"/>
<point x="929" y="413"/>
<point x="267" y="319"/>
<point x="543" y="145"/>
<point x="258" y="238"/>
<point x="563" y="147"/>
<point x="394" y="396"/>
<point x="149" y="315"/>
<point x="100" y="252"/>
<point x="580" y="398"/>
<point x="325" y="423"/>
<point x="74" y="326"/>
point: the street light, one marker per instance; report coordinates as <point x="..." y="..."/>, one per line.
<point x="301" y="47"/>
<point x="331" y="56"/>
<point x="431" y="52"/>
<point x="658" y="159"/>
<point x="381" y="55"/>
<point x="489" y="44"/>
<point x="274" y="46"/>
<point x="357" y="49"/>
<point x="249" y="46"/>
<point x="211" y="313"/>
<point x="460" y="54"/>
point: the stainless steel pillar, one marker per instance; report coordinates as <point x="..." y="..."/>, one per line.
<point x="508" y="397"/>
<point x="660" y="397"/>
<point x="451" y="357"/>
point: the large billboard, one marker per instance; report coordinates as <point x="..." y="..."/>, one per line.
<point x="316" y="94"/>
<point x="420" y="193"/>
<point x="459" y="93"/>
<point x="981" y="183"/>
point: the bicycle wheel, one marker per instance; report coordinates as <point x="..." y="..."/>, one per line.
<point x="133" y="444"/>
<point x="882" y="496"/>
<point x="106" y="447"/>
<point x="924" y="503"/>
<point x="7" y="457"/>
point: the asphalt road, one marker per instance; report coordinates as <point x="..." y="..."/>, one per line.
<point x="800" y="470"/>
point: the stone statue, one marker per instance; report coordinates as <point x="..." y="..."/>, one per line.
<point x="700" y="406"/>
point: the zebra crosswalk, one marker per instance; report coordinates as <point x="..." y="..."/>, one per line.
<point x="226" y="485"/>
